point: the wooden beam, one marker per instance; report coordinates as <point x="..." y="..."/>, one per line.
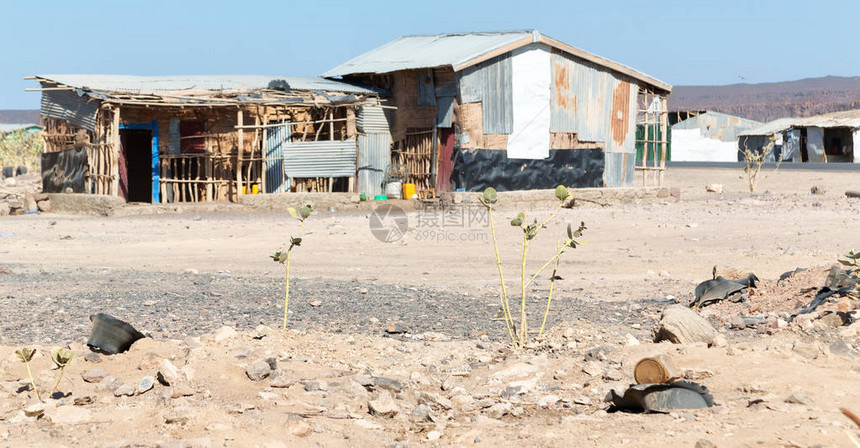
<point x="239" y="153"/>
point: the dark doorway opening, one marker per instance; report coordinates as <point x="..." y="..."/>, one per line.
<point x="135" y="165"/>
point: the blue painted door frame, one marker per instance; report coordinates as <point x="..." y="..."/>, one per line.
<point x="156" y="196"/>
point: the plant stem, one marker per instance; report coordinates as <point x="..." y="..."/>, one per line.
<point x="33" y="382"/>
<point x="549" y="298"/>
<point x="554" y="257"/>
<point x="287" y="288"/>
<point x="62" y="369"/>
<point x="506" y="309"/>
<point x="551" y="216"/>
<point x="523" y="319"/>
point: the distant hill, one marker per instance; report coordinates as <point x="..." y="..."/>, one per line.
<point x="19" y="116"/>
<point x="769" y="101"/>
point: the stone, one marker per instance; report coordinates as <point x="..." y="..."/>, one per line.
<point x="150" y="361"/>
<point x="34" y="409"/>
<point x="193" y="342"/>
<point x="388" y="384"/>
<point x="798" y="398"/>
<point x="421" y="412"/>
<point x="719" y="341"/>
<point x="125" y="390"/>
<point x="548" y="400"/>
<point x="383" y="406"/>
<point x="737" y="323"/>
<point x="71" y="415"/>
<point x="613" y="375"/>
<point x="203" y="442"/>
<point x="498" y="410"/>
<point x="224" y="333"/>
<point x="316" y="386"/>
<point x="261" y="331"/>
<point x="94" y="375"/>
<point x="434" y="435"/>
<point x="168" y="374"/>
<point x="831" y="320"/>
<point x="259" y="370"/>
<point x="842" y="348"/>
<point x="599" y="353"/>
<point x="592" y="368"/>
<point x="681" y="325"/>
<point x="299" y="428"/>
<point x="448" y="383"/>
<point x="705" y="443"/>
<point x="631" y="340"/>
<point x="281" y="380"/>
<point x="145" y="384"/>
<point x="109" y="383"/>
<point x="714" y="188"/>
<point x="93" y="357"/>
<point x="45" y="206"/>
<point x="806" y="350"/>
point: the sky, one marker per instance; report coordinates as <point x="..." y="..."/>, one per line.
<point x="679" y="42"/>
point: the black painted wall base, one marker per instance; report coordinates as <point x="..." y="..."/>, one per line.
<point x="64" y="169"/>
<point x="577" y="168"/>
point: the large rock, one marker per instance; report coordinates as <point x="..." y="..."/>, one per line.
<point x="681" y="325"/>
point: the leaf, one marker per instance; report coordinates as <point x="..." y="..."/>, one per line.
<point x="293" y="213"/>
<point x="25" y="354"/>
<point x="282" y="257"/>
<point x="296" y="240"/>
<point x="62" y="357"/>
<point x="531" y="231"/>
<point x="569" y="231"/>
<point x="490" y="197"/>
<point x="518" y="221"/>
<point x="562" y="193"/>
<point x="307" y="210"/>
<point x="578" y="232"/>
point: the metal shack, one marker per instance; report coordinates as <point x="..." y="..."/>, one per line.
<point x="198" y="138"/>
<point x="513" y="110"/>
<point x="708" y="137"/>
<point x="827" y="138"/>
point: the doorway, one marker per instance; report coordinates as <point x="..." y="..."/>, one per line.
<point x="138" y="162"/>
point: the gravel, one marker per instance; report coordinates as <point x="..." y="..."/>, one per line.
<point x="52" y="308"/>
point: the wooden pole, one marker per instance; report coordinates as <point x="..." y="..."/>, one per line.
<point x="265" y="149"/>
<point x="664" y="127"/>
<point x="239" y="154"/>
<point x="114" y="168"/>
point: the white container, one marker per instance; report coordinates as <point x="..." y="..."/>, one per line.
<point x="394" y="190"/>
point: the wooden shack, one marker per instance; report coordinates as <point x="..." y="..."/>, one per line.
<point x="199" y="138"/>
<point x="514" y="110"/>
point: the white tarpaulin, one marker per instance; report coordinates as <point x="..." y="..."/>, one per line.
<point x="815" y="144"/>
<point x="857" y="146"/>
<point x="530" y="92"/>
<point x="791" y="147"/>
<point x="689" y="145"/>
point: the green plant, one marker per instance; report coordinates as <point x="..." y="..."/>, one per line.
<point x="283" y="256"/>
<point x="22" y="148"/>
<point x="753" y="162"/>
<point x="61" y="358"/>
<point x="26" y="355"/>
<point x="519" y="334"/>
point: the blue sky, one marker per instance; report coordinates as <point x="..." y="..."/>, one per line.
<point x="680" y="42"/>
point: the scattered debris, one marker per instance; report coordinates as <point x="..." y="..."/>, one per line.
<point x="111" y="335"/>
<point x="662" y="397"/>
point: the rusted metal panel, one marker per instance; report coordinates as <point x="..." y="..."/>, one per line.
<point x="619" y="169"/>
<point x="490" y="83"/>
<point x="593" y="102"/>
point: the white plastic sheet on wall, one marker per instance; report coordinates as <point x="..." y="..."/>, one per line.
<point x="689" y="145"/>
<point x="531" y="80"/>
<point x="856" y="146"/>
<point x="791" y="147"/>
<point x="815" y="144"/>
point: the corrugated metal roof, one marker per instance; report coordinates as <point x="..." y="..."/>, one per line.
<point x="12" y="127"/>
<point x="325" y="158"/>
<point x="771" y="127"/>
<point x="843" y="119"/>
<point x="717" y="125"/>
<point x="198" y="82"/>
<point x="463" y="50"/>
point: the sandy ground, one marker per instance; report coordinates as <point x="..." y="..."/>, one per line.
<point x="634" y="252"/>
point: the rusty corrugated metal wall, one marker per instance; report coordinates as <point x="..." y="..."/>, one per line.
<point x="596" y="104"/>
<point x="490" y="83"/>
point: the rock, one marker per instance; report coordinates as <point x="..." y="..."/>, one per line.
<point x="681" y="325"/>
<point x="518" y="370"/>
<point x="225" y="333"/>
<point x="421" y="413"/>
<point x="44" y="206"/>
<point x="125" y="390"/>
<point x="94" y="375"/>
<point x="831" y="320"/>
<point x="434" y="435"/>
<point x="281" y="380"/>
<point x="548" y="400"/>
<point x="599" y="353"/>
<point x="498" y="410"/>
<point x="299" y="428"/>
<point x="434" y="336"/>
<point x="316" y="386"/>
<point x="109" y="383"/>
<point x="719" y="341"/>
<point x="93" y="357"/>
<point x="34" y="409"/>
<point x="388" y="384"/>
<point x="150" y="361"/>
<point x="806" y="350"/>
<point x="168" y="374"/>
<point x="842" y="348"/>
<point x="71" y="415"/>
<point x="204" y="442"/>
<point x="30" y="202"/>
<point x="705" y="443"/>
<point x="592" y="368"/>
<point x="817" y="190"/>
<point x="367" y="424"/>
<point x="448" y="383"/>
<point x="261" y="331"/>
<point x="384" y="406"/>
<point x="631" y="340"/>
<point x="798" y="398"/>
<point x="613" y="375"/>
<point x="5" y="209"/>
<point x="259" y="370"/>
<point x="362" y="291"/>
<point x="193" y="342"/>
<point x="737" y="323"/>
<point x="145" y="384"/>
<point x="714" y="188"/>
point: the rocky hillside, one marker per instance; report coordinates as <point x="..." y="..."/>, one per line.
<point x="19" y="116"/>
<point x="769" y="101"/>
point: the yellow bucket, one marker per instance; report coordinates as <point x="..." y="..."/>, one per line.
<point x="255" y="189"/>
<point x="408" y="191"/>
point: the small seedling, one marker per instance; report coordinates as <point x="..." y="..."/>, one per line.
<point x="283" y="256"/>
<point x="753" y="162"/>
<point x="61" y="358"/>
<point x="26" y="355"/>
<point x="519" y="334"/>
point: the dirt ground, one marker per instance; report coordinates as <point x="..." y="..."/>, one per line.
<point x="776" y="383"/>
